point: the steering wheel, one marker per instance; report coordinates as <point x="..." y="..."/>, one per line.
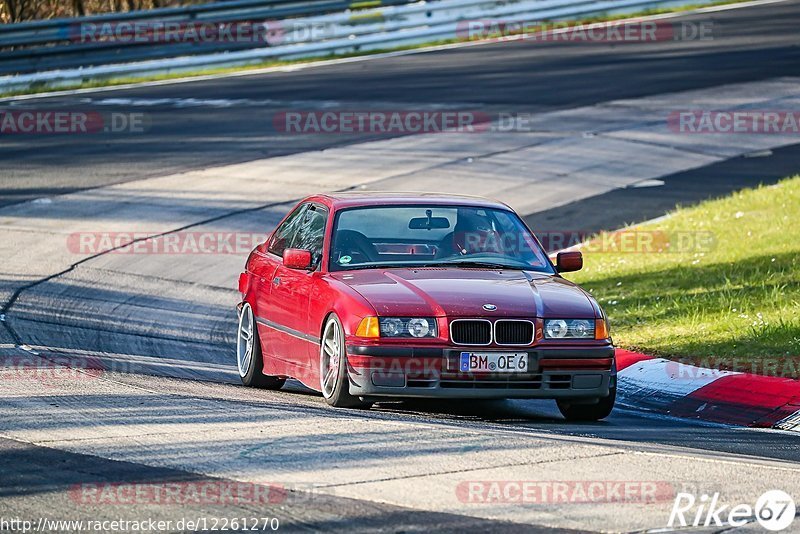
<point x="352" y="243"/>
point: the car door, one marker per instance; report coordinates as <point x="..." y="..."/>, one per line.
<point x="270" y="259"/>
<point x="295" y="340"/>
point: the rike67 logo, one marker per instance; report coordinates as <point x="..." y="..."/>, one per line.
<point x="774" y="511"/>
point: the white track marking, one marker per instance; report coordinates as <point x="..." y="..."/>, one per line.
<point x="665" y="378"/>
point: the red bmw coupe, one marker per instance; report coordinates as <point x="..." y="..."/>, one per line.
<point x="383" y="296"/>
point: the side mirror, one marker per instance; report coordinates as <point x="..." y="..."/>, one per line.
<point x="297" y="258"/>
<point x="567" y="262"/>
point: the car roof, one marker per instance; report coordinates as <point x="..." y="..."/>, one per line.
<point x="350" y="199"/>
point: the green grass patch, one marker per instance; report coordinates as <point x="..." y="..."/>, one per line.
<point x="737" y="297"/>
<point x="110" y="82"/>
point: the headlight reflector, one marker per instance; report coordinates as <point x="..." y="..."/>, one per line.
<point x="555" y="328"/>
<point x="392" y="327"/>
<point x="569" y="329"/>
<point x="408" y="327"/>
<point x="582" y="329"/>
<point x="418" y="327"/>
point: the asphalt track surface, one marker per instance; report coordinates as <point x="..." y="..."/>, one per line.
<point x="40" y="471"/>
<point x="753" y="44"/>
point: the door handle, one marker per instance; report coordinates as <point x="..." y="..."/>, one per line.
<point x="276" y="281"/>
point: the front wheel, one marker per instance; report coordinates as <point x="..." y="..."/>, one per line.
<point x="333" y="379"/>
<point x="588" y="412"/>
<point x="248" y="354"/>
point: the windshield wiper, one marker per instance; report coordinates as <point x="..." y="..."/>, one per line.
<point x="377" y="265"/>
<point x="472" y="263"/>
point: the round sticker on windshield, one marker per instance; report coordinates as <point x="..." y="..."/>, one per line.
<point x="344" y="260"/>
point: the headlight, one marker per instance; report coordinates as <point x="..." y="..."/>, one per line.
<point x="408" y="327"/>
<point x="569" y="329"/>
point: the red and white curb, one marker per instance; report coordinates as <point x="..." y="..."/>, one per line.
<point x="682" y="390"/>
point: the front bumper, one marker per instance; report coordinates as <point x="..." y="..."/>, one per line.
<point x="428" y="372"/>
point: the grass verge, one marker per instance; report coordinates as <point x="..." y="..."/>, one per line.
<point x="727" y="285"/>
<point x="110" y="82"/>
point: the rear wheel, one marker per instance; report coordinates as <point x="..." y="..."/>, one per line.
<point x="333" y="379"/>
<point x="588" y="412"/>
<point x="248" y="354"/>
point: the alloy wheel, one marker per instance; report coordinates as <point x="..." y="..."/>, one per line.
<point x="244" y="343"/>
<point x="330" y="355"/>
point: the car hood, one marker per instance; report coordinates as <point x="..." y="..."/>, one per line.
<point x="462" y="292"/>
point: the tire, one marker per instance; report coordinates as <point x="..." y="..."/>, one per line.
<point x="333" y="379"/>
<point x="248" y="354"/>
<point x="588" y="412"/>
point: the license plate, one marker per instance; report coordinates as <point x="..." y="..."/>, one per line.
<point x="494" y="362"/>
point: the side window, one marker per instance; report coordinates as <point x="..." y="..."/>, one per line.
<point x="312" y="233"/>
<point x="286" y="232"/>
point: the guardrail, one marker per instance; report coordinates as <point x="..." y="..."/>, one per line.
<point x="44" y="45"/>
<point x="52" y="55"/>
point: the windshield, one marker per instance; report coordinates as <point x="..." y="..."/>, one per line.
<point x="420" y="235"/>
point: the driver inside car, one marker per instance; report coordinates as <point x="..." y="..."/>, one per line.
<point x="473" y="233"/>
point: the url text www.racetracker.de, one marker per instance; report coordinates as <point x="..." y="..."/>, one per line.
<point x="204" y="524"/>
